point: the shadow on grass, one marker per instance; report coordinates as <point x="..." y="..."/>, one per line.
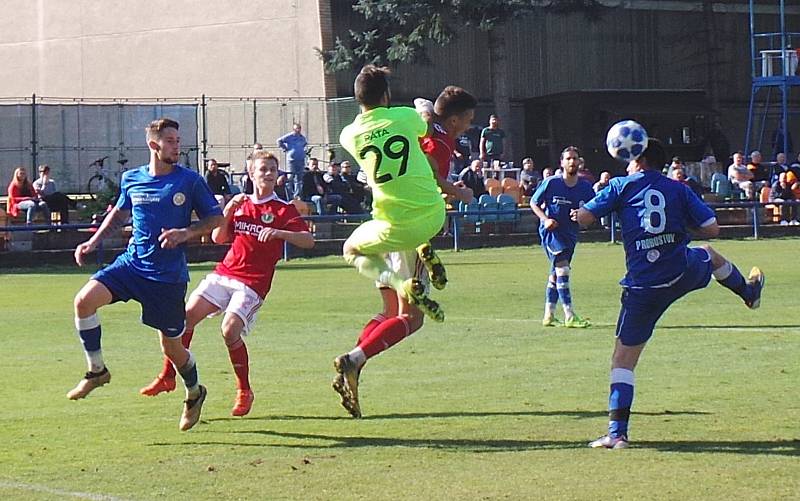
<point x="467" y="414"/>
<point x="726" y="327"/>
<point x="773" y="448"/>
<point x="337" y="442"/>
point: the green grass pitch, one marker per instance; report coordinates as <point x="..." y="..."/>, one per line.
<point x="488" y="405"/>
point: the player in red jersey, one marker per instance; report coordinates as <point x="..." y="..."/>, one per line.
<point x="454" y="109"/>
<point x="257" y="225"/>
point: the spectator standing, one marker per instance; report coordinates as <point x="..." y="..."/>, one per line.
<point x="22" y="196"/>
<point x="217" y="180"/>
<point x="740" y="176"/>
<point x="605" y="179"/>
<point x="294" y="144"/>
<point x="492" y="141"/>
<point x="56" y="201"/>
<point x="473" y="178"/>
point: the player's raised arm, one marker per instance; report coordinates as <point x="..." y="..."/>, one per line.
<point x="223" y="233"/>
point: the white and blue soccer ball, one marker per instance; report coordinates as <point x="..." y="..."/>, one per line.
<point x="626" y="140"/>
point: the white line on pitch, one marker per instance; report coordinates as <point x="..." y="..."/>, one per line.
<point x="56" y="492"/>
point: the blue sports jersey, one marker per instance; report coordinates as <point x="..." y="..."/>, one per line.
<point x="655" y="212"/>
<point x="159" y="203"/>
<point x="559" y="199"/>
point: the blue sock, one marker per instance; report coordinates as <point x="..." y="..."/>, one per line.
<point x="728" y="275"/>
<point x="551" y="293"/>
<point x="89" y="331"/>
<point x="189" y="374"/>
<point x="562" y="285"/>
<point x="620" y="400"/>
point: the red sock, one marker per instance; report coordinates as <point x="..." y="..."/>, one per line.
<point x="374" y="322"/>
<point x="387" y="334"/>
<point x="241" y="364"/>
<point x="168" y="371"/>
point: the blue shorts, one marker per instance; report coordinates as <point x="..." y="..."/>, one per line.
<point x="641" y="308"/>
<point x="163" y="303"/>
<point x="556" y="250"/>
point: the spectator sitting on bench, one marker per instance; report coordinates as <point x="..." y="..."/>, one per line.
<point x="217" y="180"/>
<point x="740" y="176"/>
<point x="22" y="196"/>
<point x="314" y="186"/>
<point x="56" y="201"/>
<point x="529" y="178"/>
<point x="678" y="174"/>
<point x="337" y="191"/>
<point x="357" y="188"/>
<point x="472" y="177"/>
<point x="782" y="191"/>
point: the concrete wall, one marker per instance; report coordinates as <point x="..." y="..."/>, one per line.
<point x="160" y="48"/>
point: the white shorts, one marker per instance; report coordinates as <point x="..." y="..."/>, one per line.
<point x="408" y="265"/>
<point x="231" y="296"/>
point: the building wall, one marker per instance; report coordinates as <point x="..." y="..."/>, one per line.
<point x="641" y="45"/>
<point x="160" y="48"/>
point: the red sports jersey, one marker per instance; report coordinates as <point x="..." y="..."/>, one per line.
<point x="440" y="146"/>
<point x="248" y="260"/>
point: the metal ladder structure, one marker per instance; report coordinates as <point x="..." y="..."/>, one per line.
<point x="774" y="67"/>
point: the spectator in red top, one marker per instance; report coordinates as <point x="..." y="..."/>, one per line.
<point x="22" y="196"/>
<point x="257" y="225"/>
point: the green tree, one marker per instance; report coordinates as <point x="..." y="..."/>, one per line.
<point x="397" y="31"/>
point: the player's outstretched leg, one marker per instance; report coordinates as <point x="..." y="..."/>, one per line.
<point x="436" y="270"/>
<point x="346" y="383"/>
<point x="165" y="381"/>
<point x="414" y="291"/>
<point x="551" y="300"/>
<point x="92" y="296"/>
<point x="728" y="275"/>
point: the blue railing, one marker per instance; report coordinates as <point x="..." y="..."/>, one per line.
<point x="456" y="219"/>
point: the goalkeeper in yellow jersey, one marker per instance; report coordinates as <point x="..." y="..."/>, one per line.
<point x="407" y="211"/>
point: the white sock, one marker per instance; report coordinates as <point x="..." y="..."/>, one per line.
<point x="357" y="356"/>
<point x="723" y="271"/>
<point x="94" y="359"/>
<point x="549" y="310"/>
<point x="568" y="313"/>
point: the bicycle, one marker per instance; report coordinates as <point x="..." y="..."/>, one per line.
<point x="104" y="180"/>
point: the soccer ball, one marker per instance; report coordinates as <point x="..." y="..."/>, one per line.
<point x="626" y="140"/>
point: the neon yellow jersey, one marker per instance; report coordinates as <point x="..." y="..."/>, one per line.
<point x="385" y="142"/>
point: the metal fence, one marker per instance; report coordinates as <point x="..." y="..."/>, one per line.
<point x="69" y="134"/>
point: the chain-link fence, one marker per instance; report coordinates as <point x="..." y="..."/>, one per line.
<point x="71" y="135"/>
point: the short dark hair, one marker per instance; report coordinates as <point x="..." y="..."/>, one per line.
<point x="654" y="155"/>
<point x="454" y="100"/>
<point x="570" y="149"/>
<point x="677" y="160"/>
<point x="156" y="127"/>
<point x="371" y="84"/>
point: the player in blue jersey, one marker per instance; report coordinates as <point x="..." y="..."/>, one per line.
<point x="657" y="215"/>
<point x="554" y="202"/>
<point x="160" y="198"/>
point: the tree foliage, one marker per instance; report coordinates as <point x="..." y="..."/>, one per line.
<point x="397" y="30"/>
